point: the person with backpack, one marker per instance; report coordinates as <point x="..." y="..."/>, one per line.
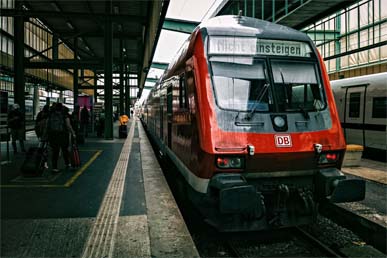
<point x="58" y="129"/>
<point x="41" y="122"/>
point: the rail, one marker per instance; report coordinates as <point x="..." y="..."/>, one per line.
<point x="372" y="232"/>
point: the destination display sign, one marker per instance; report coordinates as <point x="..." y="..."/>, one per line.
<point x="254" y="46"/>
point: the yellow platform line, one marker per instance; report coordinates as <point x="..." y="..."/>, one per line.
<point x="83" y="168"/>
<point x="68" y="183"/>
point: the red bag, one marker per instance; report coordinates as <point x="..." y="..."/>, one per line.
<point x="74" y="156"/>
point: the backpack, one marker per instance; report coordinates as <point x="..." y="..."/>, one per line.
<point x="56" y="122"/>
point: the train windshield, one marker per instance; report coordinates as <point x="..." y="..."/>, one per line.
<point x="296" y="86"/>
<point x="240" y="83"/>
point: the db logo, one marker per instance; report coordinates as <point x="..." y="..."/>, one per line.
<point x="283" y="140"/>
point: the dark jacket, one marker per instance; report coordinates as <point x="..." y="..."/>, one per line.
<point x="15" y="119"/>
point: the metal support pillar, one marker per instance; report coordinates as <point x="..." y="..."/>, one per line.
<point x="127" y="90"/>
<point x="75" y="75"/>
<point x="108" y="70"/>
<point x="35" y="101"/>
<point x="95" y="87"/>
<point x="18" y="50"/>
<point x="121" y="104"/>
<point x="55" y="47"/>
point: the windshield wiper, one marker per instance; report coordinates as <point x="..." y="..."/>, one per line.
<point x="303" y="112"/>
<point x="257" y="100"/>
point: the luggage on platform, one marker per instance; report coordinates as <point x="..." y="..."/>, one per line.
<point x="35" y="161"/>
<point x="74" y="156"/>
<point x="123" y="131"/>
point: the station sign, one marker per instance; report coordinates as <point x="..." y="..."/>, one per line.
<point x="253" y="46"/>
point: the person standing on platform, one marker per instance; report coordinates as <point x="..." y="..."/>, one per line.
<point x="41" y="122"/>
<point x="16" y="124"/>
<point x="84" y="120"/>
<point x="58" y="129"/>
<point x="75" y="119"/>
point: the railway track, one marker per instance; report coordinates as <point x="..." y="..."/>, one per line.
<point x="315" y="242"/>
<point x="306" y="244"/>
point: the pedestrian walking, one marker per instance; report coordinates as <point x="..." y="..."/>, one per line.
<point x="16" y="124"/>
<point x="58" y="129"/>
<point x="84" y="120"/>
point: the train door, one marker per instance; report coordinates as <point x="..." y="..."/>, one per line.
<point x="354" y="114"/>
<point x="169" y="114"/>
<point x="375" y="120"/>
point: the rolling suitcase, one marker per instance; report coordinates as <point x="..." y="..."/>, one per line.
<point x="35" y="161"/>
<point x="74" y="155"/>
<point x="123" y="131"/>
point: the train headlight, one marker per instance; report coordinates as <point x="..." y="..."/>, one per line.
<point x="279" y="121"/>
<point x="230" y="162"/>
<point x="328" y="158"/>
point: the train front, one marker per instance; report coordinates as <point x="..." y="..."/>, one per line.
<point x="274" y="133"/>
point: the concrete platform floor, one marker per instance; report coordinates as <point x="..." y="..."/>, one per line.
<point x="118" y="205"/>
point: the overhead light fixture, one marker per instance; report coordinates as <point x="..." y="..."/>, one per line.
<point x="87" y="48"/>
<point x="70" y="25"/>
<point x="55" y="6"/>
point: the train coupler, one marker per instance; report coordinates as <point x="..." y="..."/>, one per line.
<point x="332" y="184"/>
<point x="236" y="196"/>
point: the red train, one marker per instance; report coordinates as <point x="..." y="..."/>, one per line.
<point x="246" y="113"/>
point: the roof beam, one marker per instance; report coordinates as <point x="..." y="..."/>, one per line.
<point x="159" y="65"/>
<point x="152" y="79"/>
<point x="182" y="26"/>
<point x="86" y="15"/>
<point x="65" y="64"/>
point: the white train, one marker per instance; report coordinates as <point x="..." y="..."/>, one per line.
<point x="362" y="106"/>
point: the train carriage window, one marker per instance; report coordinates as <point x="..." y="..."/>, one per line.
<point x="354" y="104"/>
<point x="379" y="107"/>
<point x="240" y="83"/>
<point x="296" y="86"/>
<point x="183" y="103"/>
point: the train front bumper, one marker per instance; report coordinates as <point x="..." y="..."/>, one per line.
<point x="332" y="184"/>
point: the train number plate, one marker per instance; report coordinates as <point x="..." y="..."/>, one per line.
<point x="283" y="140"/>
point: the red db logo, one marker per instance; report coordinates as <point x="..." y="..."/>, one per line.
<point x="283" y="140"/>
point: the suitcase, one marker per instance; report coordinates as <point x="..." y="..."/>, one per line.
<point x="74" y="156"/>
<point x="35" y="161"/>
<point x="123" y="131"/>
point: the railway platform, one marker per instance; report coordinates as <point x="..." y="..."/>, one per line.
<point x="117" y="204"/>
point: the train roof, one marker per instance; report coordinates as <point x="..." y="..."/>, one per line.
<point x="234" y="25"/>
<point x="361" y="80"/>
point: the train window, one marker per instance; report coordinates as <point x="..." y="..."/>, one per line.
<point x="354" y="104"/>
<point x="379" y="107"/>
<point x="296" y="86"/>
<point x="183" y="103"/>
<point x="240" y="85"/>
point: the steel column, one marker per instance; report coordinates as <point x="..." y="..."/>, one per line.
<point x="75" y="75"/>
<point x="127" y="88"/>
<point x="95" y="87"/>
<point x="55" y="47"/>
<point x="108" y="65"/>
<point x="262" y="9"/>
<point x="121" y="103"/>
<point x="273" y="10"/>
<point x="18" y="48"/>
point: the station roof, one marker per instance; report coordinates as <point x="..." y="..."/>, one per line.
<point x="293" y="13"/>
<point x="136" y="23"/>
